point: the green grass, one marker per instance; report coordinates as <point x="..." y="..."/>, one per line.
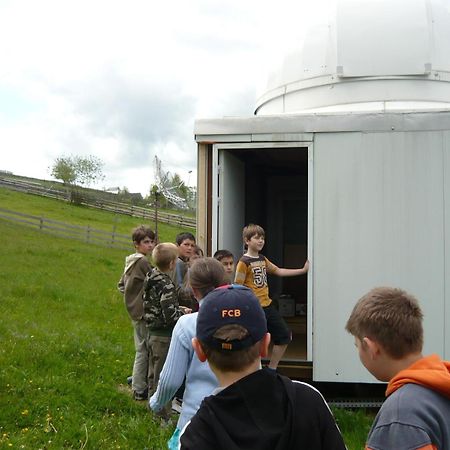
<point x="354" y="425"/>
<point x="67" y="346"/>
<point x="57" y="185"/>
<point x="79" y="214"/>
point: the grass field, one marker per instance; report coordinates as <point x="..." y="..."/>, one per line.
<point x="89" y="192"/>
<point x="79" y="214"/>
<point x="67" y="345"/>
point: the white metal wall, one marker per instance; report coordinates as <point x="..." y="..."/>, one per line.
<point x="229" y="205"/>
<point x="446" y="311"/>
<point x="379" y="211"/>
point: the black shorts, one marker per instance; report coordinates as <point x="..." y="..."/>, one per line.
<point x="276" y="326"/>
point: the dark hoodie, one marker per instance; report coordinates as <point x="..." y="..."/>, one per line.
<point x="416" y="413"/>
<point x="131" y="284"/>
<point x="264" y="410"/>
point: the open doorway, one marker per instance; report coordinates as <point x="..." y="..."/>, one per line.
<point x="269" y="186"/>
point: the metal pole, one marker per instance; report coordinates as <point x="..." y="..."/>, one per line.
<point x="156" y="214"/>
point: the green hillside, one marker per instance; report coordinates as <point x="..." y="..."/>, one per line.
<point x="78" y="214"/>
<point x="67" y="347"/>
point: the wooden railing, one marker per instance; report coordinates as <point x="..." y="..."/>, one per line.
<point x="177" y="220"/>
<point x="144" y="213"/>
<point x="62" y="229"/>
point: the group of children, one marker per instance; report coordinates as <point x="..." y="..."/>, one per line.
<point x="230" y="401"/>
<point x="157" y="295"/>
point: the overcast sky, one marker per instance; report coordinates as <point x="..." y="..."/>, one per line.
<point x="125" y="80"/>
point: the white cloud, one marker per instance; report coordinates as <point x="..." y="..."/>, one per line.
<point x="125" y="80"/>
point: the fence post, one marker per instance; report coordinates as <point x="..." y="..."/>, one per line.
<point x="113" y="236"/>
<point x="156" y="214"/>
<point x="41" y="223"/>
<point x="88" y="233"/>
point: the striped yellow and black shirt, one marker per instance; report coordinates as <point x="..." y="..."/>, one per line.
<point x="252" y="272"/>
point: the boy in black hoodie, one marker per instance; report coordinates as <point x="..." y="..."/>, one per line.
<point x="253" y="408"/>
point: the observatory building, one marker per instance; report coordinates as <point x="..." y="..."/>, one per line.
<point x="372" y="56"/>
<point x="347" y="162"/>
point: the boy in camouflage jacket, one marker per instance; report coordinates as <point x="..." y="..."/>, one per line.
<point x="161" y="310"/>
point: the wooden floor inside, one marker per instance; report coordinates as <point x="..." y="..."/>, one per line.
<point x="297" y="349"/>
<point x="294" y="363"/>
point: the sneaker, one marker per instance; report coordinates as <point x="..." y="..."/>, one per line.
<point x="176" y="405"/>
<point x="140" y="396"/>
<point x="129" y="380"/>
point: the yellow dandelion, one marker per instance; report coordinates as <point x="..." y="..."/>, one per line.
<point x="25" y="412"/>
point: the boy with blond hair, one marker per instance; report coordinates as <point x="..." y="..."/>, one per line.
<point x="161" y="308"/>
<point x="387" y="326"/>
<point x="251" y="271"/>
<point x="253" y="408"/>
<point x="131" y="285"/>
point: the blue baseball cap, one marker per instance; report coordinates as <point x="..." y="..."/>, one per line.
<point x="232" y="304"/>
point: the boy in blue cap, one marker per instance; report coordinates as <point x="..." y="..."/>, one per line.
<point x="253" y="408"/>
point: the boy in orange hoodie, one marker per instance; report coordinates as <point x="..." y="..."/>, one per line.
<point x="387" y="326"/>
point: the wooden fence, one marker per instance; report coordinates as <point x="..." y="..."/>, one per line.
<point x="144" y="213"/>
<point x="99" y="203"/>
<point x="62" y="229"/>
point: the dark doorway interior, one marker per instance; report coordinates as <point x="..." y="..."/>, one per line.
<point x="276" y="197"/>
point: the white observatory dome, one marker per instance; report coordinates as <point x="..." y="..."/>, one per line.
<point x="374" y="55"/>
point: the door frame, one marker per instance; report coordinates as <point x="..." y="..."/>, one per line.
<point x="310" y="210"/>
